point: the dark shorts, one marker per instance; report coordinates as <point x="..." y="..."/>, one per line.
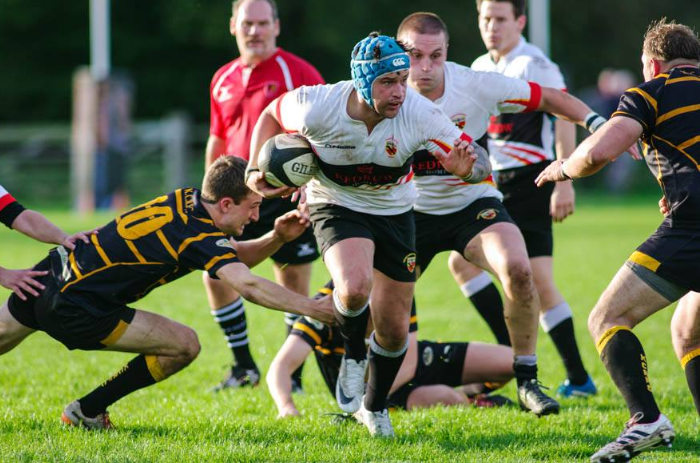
<point x="673" y="254"/>
<point x="65" y="321"/>
<point x="438" y="363"/>
<point x="302" y="250"/>
<point x="393" y="236"/>
<point x="528" y="205"/>
<point x="452" y="232"/>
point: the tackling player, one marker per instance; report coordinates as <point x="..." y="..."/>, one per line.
<point x="364" y="133"/>
<point x="85" y="302"/>
<point x="468" y="217"/>
<point x="239" y="92"/>
<point x="665" y="112"/>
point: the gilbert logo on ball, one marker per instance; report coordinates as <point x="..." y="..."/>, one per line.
<point x="287" y="160"/>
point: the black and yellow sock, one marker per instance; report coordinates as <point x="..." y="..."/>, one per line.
<point x="624" y="358"/>
<point x="383" y="366"/>
<point x="140" y="372"/>
<point x="485" y="297"/>
<point x="691" y="365"/>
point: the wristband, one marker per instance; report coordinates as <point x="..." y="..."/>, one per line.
<point x="593" y="121"/>
<point x="563" y="172"/>
<point x="468" y="177"/>
<point x="248" y="172"/>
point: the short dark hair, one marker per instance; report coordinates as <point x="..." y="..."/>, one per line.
<point x="519" y="6"/>
<point x="668" y="41"/>
<point x="225" y="178"/>
<point x="237" y="5"/>
<point x="423" y="22"/>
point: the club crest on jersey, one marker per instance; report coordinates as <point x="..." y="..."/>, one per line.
<point x="487" y="214"/>
<point x="428" y="356"/>
<point x="392" y="146"/>
<point x="271" y="89"/>
<point x="410" y="261"/>
<point x="224" y="243"/>
<point x="460" y="120"/>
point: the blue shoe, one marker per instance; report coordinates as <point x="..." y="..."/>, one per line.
<point x="566" y="389"/>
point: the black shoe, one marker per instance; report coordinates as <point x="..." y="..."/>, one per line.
<point x="239" y="377"/>
<point x="531" y="397"/>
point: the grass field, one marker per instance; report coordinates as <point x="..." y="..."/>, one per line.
<point x="179" y="420"/>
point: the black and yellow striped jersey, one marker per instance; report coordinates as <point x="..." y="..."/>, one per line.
<point x="142" y="249"/>
<point x="668" y="108"/>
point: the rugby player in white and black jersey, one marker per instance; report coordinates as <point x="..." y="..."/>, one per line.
<point x="364" y="133"/>
<point x="458" y="215"/>
<point x="520" y="147"/>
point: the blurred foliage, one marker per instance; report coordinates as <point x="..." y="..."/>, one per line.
<point x="172" y="48"/>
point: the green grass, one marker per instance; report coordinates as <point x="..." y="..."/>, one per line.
<point x="179" y="419"/>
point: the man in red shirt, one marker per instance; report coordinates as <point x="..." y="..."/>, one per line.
<point x="240" y="91"/>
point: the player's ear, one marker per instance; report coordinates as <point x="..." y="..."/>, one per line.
<point x="522" y="22"/>
<point x="656" y="66"/>
<point x="225" y="204"/>
<point x="277" y="27"/>
<point x="232" y="26"/>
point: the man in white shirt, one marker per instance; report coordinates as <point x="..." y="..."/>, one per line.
<point x="520" y="147"/>
<point x="364" y="133"/>
<point x="470" y="219"/>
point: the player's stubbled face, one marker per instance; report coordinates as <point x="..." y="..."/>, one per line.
<point x="389" y="92"/>
<point x="255" y="29"/>
<point x="428" y="54"/>
<point x="500" y="29"/>
<point x="242" y="214"/>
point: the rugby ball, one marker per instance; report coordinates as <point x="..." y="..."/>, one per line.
<point x="287" y="160"/>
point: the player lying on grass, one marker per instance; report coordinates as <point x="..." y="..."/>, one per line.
<point x="34" y="225"/>
<point x="665" y="113"/>
<point x="87" y="290"/>
<point x="432" y="373"/>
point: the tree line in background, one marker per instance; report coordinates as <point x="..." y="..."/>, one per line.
<point x="172" y="48"/>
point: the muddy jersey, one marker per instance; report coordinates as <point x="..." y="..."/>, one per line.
<point x="469" y="100"/>
<point x="518" y="140"/>
<point x="367" y="173"/>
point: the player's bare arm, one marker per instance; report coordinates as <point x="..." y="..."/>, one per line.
<point x="467" y="161"/>
<point x="35" y="225"/>
<point x="267" y="127"/>
<point x="288" y="227"/>
<point x="595" y="152"/>
<point x="268" y="294"/>
<point x="563" y="200"/>
<point x="215" y="147"/>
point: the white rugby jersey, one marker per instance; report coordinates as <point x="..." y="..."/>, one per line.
<point x="366" y="173"/>
<point x="522" y="140"/>
<point x="470" y="98"/>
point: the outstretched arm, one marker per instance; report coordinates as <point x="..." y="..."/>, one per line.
<point x="35" y="225"/>
<point x="288" y="227"/>
<point x="279" y="377"/>
<point x="273" y="296"/>
<point x="595" y="152"/>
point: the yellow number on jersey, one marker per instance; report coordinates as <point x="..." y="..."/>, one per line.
<point x="144" y="219"/>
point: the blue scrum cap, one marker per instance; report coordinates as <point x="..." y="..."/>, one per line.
<point x="372" y="57"/>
